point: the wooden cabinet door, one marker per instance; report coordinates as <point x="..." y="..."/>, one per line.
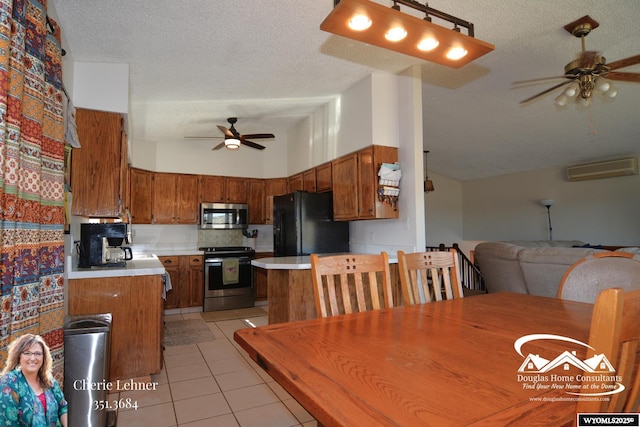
<point x="236" y="190"/>
<point x="164" y="197"/>
<point x="212" y="189"/>
<point x="295" y="183"/>
<point x="379" y="207"/>
<point x="135" y="304"/>
<point x="260" y="284"/>
<point x="257" y="201"/>
<point x="141" y="193"/>
<point x="95" y="167"/>
<point x="309" y="180"/>
<point x="345" y="187"/>
<point x="196" y="281"/>
<point x="187" y="199"/>
<point x="125" y="195"/>
<point x="323" y="178"/>
<point x="276" y="186"/>
<point x="172" y="266"/>
<point x="367" y="184"/>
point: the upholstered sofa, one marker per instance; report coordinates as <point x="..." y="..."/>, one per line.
<point x="528" y="267"/>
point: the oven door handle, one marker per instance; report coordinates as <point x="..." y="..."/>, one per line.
<point x="217" y="261"/>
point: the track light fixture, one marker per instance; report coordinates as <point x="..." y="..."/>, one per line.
<point x="388" y="27"/>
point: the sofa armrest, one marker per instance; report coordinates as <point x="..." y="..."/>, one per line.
<point x="499" y="266"/>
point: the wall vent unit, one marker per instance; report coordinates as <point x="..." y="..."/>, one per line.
<point x="608" y="169"/>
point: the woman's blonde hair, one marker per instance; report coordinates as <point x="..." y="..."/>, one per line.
<point x="22" y="344"/>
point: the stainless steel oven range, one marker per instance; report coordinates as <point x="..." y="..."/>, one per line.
<point x="228" y="277"/>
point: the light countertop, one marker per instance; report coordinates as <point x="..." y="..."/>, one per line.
<point x="302" y="262"/>
<point x="140" y="265"/>
<point x="283" y="263"/>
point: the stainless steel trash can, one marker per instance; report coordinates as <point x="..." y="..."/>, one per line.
<point x="86" y="369"/>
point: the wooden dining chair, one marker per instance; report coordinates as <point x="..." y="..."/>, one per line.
<point x="585" y="279"/>
<point x="615" y="331"/>
<point x="346" y="283"/>
<point x="429" y="276"/>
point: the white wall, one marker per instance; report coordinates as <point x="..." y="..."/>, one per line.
<point x="382" y="109"/>
<point x="604" y="211"/>
<point x="443" y="207"/>
<point x="395" y="120"/>
<point x="101" y="86"/>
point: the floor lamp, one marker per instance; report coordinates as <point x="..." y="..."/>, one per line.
<point x="547" y="204"/>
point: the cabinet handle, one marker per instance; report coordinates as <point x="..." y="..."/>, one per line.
<point x="168" y="261"/>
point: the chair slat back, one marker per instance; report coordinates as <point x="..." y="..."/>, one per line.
<point x="351" y="282"/>
<point x="615" y="331"/>
<point x="428" y="276"/>
<point x="585" y="279"/>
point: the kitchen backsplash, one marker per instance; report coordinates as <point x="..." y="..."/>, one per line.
<point x="188" y="237"/>
<point x="208" y="238"/>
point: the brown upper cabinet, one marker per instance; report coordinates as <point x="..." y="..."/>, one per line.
<point x="273" y="187"/>
<point x="211" y="189"/>
<point x="223" y="189"/>
<point x="141" y="195"/>
<point x="257" y="203"/>
<point x="324" y="180"/>
<point x="168" y="198"/>
<point x="236" y="190"/>
<point x="309" y="180"/>
<point x="345" y="187"/>
<point x="175" y="198"/>
<point x="98" y="168"/>
<point x="295" y="183"/>
<point x="355" y="184"/>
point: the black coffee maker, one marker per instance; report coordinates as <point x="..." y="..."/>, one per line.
<point x="101" y="245"/>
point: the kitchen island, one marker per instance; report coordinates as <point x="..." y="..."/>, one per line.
<point x="134" y="297"/>
<point x="290" y="287"/>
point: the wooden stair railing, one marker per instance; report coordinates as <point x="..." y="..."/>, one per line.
<point x="470" y="275"/>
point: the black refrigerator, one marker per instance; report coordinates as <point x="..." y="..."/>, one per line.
<point x="303" y="224"/>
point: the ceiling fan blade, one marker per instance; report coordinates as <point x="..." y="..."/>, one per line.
<point x="624" y="77"/>
<point x="219" y="146"/>
<point x="203" y="137"/>
<point x="626" y="62"/>
<point x="259" y="135"/>
<point x="251" y="144"/>
<point x="226" y="131"/>
<point x="541" y="79"/>
<point x="552" y="88"/>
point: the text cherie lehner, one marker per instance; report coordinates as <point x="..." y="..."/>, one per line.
<point x="124" y="385"/>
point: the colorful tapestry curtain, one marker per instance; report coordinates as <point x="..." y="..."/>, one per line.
<point x="32" y="177"/>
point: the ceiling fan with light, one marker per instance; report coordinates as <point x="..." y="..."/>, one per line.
<point x="233" y="138"/>
<point x="588" y="73"/>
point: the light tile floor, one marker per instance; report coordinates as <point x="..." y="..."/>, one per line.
<point x="213" y="383"/>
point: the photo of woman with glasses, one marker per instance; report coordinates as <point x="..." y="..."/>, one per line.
<point x="29" y="395"/>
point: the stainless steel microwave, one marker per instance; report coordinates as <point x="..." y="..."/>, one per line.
<point x="224" y="215"/>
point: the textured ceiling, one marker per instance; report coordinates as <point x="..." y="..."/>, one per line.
<point x="195" y="62"/>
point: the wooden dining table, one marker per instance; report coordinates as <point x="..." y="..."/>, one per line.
<point x="446" y="363"/>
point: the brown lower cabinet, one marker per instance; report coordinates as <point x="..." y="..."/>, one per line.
<point x="135" y="304"/>
<point x="260" y="278"/>
<point x="291" y="297"/>
<point x="187" y="280"/>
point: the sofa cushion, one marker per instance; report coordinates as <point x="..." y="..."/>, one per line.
<point x="632" y="250"/>
<point x="546" y="243"/>
<point x="543" y="268"/>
